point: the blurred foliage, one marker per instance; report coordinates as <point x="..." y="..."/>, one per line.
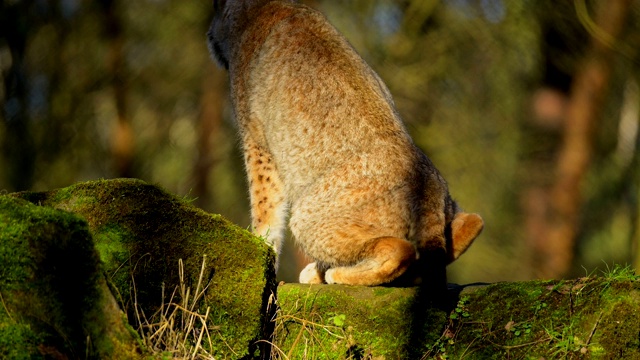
<point x="464" y="73"/>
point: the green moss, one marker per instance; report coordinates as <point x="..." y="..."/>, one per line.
<point x="142" y="231"/>
<point x="546" y="319"/>
<point x="590" y="317"/>
<point x="36" y="285"/>
<point x="337" y="322"/>
<point x="17" y="340"/>
<point x="50" y="284"/>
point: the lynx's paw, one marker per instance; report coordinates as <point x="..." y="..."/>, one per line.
<point x="328" y="277"/>
<point x="310" y="275"/>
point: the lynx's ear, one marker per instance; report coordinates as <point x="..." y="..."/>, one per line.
<point x="464" y="229"/>
<point x="218" y="5"/>
<point x="217" y="36"/>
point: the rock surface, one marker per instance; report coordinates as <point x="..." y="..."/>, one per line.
<point x="586" y="318"/>
<point x="142" y="234"/>
<point x="72" y="259"/>
<point x="357" y="322"/>
<point x="55" y="300"/>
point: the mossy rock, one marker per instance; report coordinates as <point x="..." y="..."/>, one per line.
<point x="55" y="300"/>
<point x="142" y="233"/>
<point x="354" y="322"/>
<point x="586" y="318"/>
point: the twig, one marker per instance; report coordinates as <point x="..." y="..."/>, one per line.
<point x="6" y="309"/>
<point x="274" y="346"/>
<point x="197" y="293"/>
<point x="509" y="347"/>
<point x="308" y="322"/>
<point x="225" y="342"/>
<point x="194" y="301"/>
<point x="135" y="308"/>
<point x="204" y="324"/>
<point x="593" y="331"/>
<point x="295" y="342"/>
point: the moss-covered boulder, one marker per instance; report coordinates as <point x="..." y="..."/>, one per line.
<point x="163" y="256"/>
<point x="587" y="318"/>
<point x="54" y="300"/>
<point x="591" y="317"/>
<point x="355" y="322"/>
<point x="191" y="280"/>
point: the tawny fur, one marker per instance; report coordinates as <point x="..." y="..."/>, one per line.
<point x="323" y="142"/>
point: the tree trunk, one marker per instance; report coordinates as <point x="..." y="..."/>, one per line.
<point x="211" y="107"/>
<point x="122" y="137"/>
<point x="586" y="100"/>
<point x="18" y="145"/>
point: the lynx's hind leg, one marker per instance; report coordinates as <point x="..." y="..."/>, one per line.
<point x="268" y="203"/>
<point x="384" y="260"/>
<point x="464" y="230"/>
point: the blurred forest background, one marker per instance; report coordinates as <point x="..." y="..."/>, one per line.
<point x="530" y="109"/>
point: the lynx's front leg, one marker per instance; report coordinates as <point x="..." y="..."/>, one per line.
<point x="268" y="204"/>
<point x="311" y="274"/>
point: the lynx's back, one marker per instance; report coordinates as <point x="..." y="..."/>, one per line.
<point x="339" y="120"/>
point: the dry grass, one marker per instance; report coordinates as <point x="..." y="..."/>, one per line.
<point x="311" y="335"/>
<point x="177" y="330"/>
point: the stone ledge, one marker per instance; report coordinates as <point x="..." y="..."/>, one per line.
<point x="142" y="232"/>
<point x="593" y="317"/>
<point x="64" y="241"/>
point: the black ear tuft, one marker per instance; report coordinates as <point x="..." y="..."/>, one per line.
<point x="218" y="5"/>
<point x="217" y="36"/>
<point x="217" y="51"/>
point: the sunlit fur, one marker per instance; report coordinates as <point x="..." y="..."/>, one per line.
<point x="323" y="142"/>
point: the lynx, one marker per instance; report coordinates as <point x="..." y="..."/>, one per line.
<point x="324" y="145"/>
